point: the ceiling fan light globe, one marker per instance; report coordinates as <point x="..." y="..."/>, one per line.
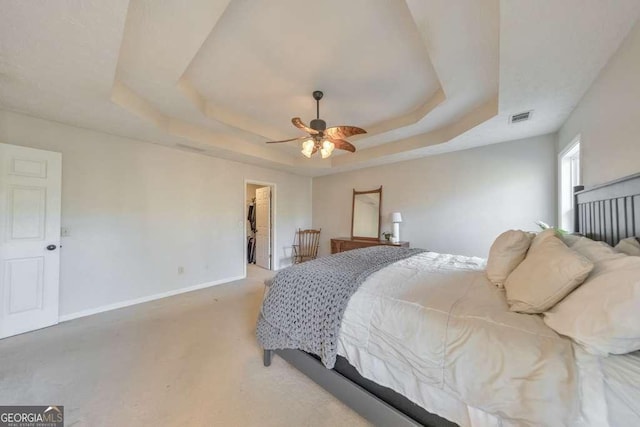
<point x="325" y="153"/>
<point x="308" y="145"/>
<point x="307" y="153"/>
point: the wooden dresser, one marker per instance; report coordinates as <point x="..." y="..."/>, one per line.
<point x="341" y="244"/>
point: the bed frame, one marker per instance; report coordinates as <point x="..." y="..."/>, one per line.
<point x="380" y="405"/>
<point x="609" y="212"/>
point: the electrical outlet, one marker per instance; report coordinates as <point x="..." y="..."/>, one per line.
<point x="181" y="270"/>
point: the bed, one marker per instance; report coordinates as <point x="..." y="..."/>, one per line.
<point x="469" y="343"/>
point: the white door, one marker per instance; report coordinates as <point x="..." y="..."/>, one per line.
<point x="263" y="225"/>
<point x="30" y="190"/>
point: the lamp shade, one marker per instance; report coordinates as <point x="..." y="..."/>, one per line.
<point x="396" y="217"/>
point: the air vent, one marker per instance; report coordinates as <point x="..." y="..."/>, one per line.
<point x="191" y="148"/>
<point x="521" y="117"/>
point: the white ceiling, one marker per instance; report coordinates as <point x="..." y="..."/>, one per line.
<point x="422" y="76"/>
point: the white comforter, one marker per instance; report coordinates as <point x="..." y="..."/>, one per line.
<point x="433" y="328"/>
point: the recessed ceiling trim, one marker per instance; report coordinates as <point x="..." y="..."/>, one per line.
<point x="227" y="117"/>
<point x="191" y="148"/>
<point x="246" y="124"/>
<point x="126" y="98"/>
<point x="439" y="136"/>
<point x="409" y="119"/>
<point x="237" y="124"/>
<point x="135" y="104"/>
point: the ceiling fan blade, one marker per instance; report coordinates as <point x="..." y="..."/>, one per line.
<point x="342" y="144"/>
<point x="297" y="122"/>
<point x="341" y="132"/>
<point x="288" y="140"/>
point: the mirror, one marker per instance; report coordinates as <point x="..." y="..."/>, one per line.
<point x="365" y="215"/>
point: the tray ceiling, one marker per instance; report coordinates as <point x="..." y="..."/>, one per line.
<point x="224" y="76"/>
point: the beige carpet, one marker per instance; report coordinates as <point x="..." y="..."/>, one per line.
<point x="188" y="360"/>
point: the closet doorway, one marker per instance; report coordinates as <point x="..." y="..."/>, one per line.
<point x="259" y="224"/>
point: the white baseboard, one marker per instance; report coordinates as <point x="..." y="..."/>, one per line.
<point x="141" y="300"/>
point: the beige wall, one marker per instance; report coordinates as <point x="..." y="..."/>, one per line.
<point x="608" y="118"/>
<point x="137" y="211"/>
<point x="454" y="203"/>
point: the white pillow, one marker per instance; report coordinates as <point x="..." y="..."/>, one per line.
<point x="541" y="236"/>
<point x="604" y="313"/>
<point x="570" y="239"/>
<point x="595" y="251"/>
<point x="507" y="251"/>
<point x="549" y="272"/>
<point x="629" y="246"/>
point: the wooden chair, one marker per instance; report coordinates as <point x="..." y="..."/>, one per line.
<point x="307" y="247"/>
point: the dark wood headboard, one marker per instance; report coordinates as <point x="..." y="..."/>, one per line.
<point x="609" y="212"/>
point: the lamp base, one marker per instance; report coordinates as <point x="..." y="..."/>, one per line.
<point x="396" y="233"/>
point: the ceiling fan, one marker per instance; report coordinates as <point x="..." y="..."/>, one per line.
<point x="320" y="138"/>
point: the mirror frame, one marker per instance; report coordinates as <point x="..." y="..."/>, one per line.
<point x="353" y="205"/>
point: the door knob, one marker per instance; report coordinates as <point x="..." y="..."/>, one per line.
<point x="51" y="247"/>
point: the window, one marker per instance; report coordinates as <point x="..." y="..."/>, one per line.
<point x="569" y="167"/>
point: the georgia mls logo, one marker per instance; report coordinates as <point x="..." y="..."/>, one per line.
<point x="53" y="413"/>
<point x="32" y="416"/>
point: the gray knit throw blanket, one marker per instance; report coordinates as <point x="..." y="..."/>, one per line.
<point x="305" y="303"/>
